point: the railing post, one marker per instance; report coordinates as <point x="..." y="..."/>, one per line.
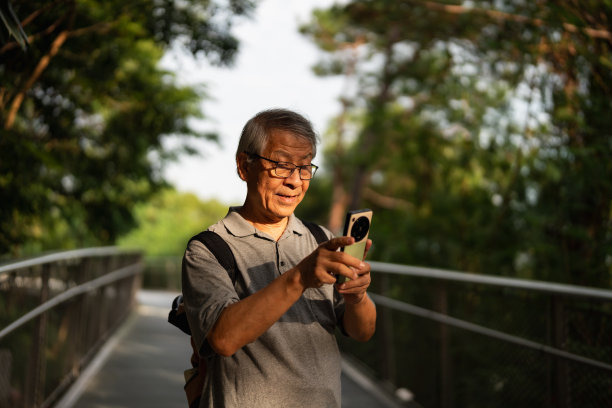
<point x="6" y="365"/>
<point x="560" y="375"/>
<point x="445" y="362"/>
<point x="35" y="391"/>
<point x="387" y="361"/>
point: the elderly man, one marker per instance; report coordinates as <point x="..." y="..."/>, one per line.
<point x="268" y="337"/>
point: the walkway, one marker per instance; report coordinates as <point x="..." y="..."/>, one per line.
<point x="142" y="365"/>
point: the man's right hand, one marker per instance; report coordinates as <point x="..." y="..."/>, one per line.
<point x="322" y="265"/>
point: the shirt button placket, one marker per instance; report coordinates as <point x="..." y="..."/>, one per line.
<point x="281" y="263"/>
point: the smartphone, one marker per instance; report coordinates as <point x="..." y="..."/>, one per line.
<point x="356" y="225"/>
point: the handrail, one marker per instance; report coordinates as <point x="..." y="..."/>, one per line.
<point x="60" y="309"/>
<point x="462" y="324"/>
<point x="558" y="332"/>
<point x="541" y="286"/>
<point x="60" y="256"/>
<point x="113" y="276"/>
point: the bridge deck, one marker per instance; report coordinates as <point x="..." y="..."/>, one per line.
<point x="142" y="365"/>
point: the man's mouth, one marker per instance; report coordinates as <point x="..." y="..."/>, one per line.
<point x="288" y="197"/>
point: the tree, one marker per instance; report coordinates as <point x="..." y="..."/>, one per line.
<point x="85" y="110"/>
<point x="479" y="134"/>
<point x="438" y="138"/>
<point x="415" y="123"/>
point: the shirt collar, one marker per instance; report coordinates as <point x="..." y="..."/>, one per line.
<point x="236" y="225"/>
<point x="239" y="227"/>
<point x="295" y="226"/>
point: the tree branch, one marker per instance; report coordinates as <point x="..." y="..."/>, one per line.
<point x="44" y="63"/>
<point x="40" y="67"/>
<point x="503" y="16"/>
<point x="101" y="28"/>
<point x="33" y="37"/>
<point x="2" y="94"/>
<point x="390" y="203"/>
<point x="41" y="10"/>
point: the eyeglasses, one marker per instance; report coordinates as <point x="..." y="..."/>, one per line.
<point x="285" y="169"/>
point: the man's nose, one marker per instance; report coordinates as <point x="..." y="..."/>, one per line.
<point x="294" y="178"/>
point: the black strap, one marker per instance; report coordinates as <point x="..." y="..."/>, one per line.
<point x="220" y="250"/>
<point x="225" y="257"/>
<point x="317" y="231"/>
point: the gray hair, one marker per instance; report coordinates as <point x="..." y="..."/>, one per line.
<point x="256" y="132"/>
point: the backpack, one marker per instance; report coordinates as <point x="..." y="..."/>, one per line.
<point x="194" y="377"/>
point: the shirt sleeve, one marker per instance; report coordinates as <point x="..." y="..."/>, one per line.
<point x="207" y="291"/>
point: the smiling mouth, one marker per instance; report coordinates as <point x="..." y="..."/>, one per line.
<point x="288" y="197"/>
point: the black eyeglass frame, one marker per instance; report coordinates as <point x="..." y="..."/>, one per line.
<point x="313" y="167"/>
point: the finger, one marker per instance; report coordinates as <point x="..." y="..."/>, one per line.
<point x="338" y="242"/>
<point x="367" y="248"/>
<point x="340" y="263"/>
<point x="345" y="271"/>
<point x="362" y="281"/>
<point x="365" y="269"/>
<point x="347" y="259"/>
<point x="327" y="271"/>
<point x="328" y="279"/>
<point x="329" y="268"/>
<point x="351" y="290"/>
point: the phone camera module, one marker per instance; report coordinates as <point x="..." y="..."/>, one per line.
<point x="360" y="228"/>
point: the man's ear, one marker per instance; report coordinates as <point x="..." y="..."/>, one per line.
<point x="242" y="165"/>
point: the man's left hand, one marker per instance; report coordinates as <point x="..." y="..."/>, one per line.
<point x="354" y="290"/>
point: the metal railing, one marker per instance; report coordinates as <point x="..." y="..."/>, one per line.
<point x="458" y="339"/>
<point x="55" y="312"/>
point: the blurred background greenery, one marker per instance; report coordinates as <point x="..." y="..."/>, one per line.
<point x="478" y="132"/>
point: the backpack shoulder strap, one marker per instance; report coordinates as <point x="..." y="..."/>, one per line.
<point x="225" y="257"/>
<point x="317" y="231"/>
<point x="220" y="250"/>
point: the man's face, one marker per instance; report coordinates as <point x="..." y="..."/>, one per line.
<point x="273" y="198"/>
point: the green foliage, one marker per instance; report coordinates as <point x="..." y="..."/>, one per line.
<point x="168" y="220"/>
<point x="86" y="108"/>
<point x="479" y="135"/>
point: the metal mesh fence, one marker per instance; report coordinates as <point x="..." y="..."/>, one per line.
<point x="78" y="301"/>
<point x="502" y="347"/>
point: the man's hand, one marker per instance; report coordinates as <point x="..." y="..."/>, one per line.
<point x="360" y="314"/>
<point x="322" y="265"/>
<point x="355" y="289"/>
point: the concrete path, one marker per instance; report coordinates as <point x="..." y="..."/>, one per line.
<point x="142" y="366"/>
